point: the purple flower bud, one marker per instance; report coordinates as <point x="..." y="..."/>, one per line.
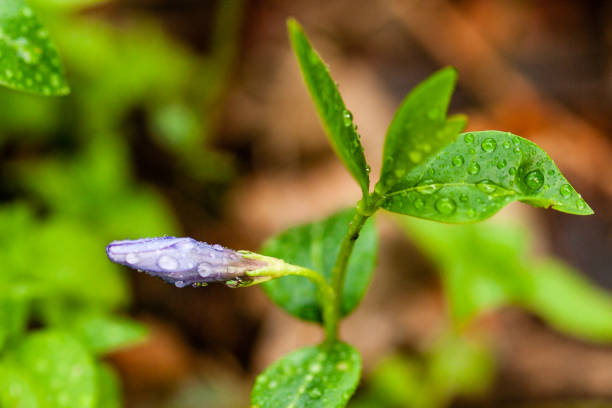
<point x="183" y="261"/>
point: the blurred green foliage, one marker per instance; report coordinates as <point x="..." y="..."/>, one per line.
<point x="68" y="190"/>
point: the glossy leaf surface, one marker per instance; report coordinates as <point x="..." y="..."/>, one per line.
<point x="315" y="246"/>
<point x="309" y="377"/>
<point x="419" y="128"/>
<point x="478" y="174"/>
<point x="29" y="60"/>
<point x="336" y="119"/>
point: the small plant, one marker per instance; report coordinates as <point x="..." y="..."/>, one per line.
<point x="320" y="271"/>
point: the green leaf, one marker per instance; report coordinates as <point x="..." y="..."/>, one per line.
<point x="16" y="388"/>
<point x="419" y="128"/>
<point x="569" y="302"/>
<point x="336" y="119"/>
<point x="315" y="246"/>
<point x="60" y="368"/>
<point x="322" y="376"/>
<point x="478" y="174"/>
<point x="109" y="390"/>
<point x="102" y="333"/>
<point x="29" y="60"/>
<point x="482" y="265"/>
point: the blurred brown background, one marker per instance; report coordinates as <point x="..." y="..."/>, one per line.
<point x="540" y="69"/>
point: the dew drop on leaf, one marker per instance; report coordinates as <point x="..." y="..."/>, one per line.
<point x="469" y="138"/>
<point x="501" y="164"/>
<point x="446" y="206"/>
<point x="463" y="198"/>
<point x="418" y="204"/>
<point x="488" y="145"/>
<point x="347" y="118"/>
<point x="486" y="186"/>
<point x="474" y="168"/>
<point x="512" y="171"/>
<point x="534" y="180"/>
<point x="565" y="190"/>
<point x="457" y="161"/>
<point x="506" y="144"/>
<point x="427" y="187"/>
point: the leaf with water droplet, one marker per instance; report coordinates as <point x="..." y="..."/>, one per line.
<point x="492" y="179"/>
<point x="420" y="121"/>
<point x="337" y="120"/>
<point x="315" y="246"/>
<point x="29" y="61"/>
<point x="297" y="384"/>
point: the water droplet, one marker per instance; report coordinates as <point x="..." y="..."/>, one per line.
<point x="463" y="198"/>
<point x="501" y="164"/>
<point x="474" y="168"/>
<point x="580" y="204"/>
<point x="472" y="150"/>
<point x="446" y="206"/>
<point x="506" y="144"/>
<point x="486" y="186"/>
<point x="167" y="263"/>
<point x="489" y="144"/>
<point x="415" y="156"/>
<point x="469" y="138"/>
<point x="534" y="180"/>
<point x="342" y="366"/>
<point x="131" y="259"/>
<point x="347" y="118"/>
<point x="516" y="140"/>
<point x="428" y="187"/>
<point x="418" y="204"/>
<point x="512" y="171"/>
<point x="272" y="384"/>
<point x="457" y="161"/>
<point x="180" y="284"/>
<point x="517" y="149"/>
<point x="368" y="169"/>
<point x="566" y="190"/>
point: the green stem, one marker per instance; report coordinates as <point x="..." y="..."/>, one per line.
<point x="365" y="208"/>
<point x="327" y="295"/>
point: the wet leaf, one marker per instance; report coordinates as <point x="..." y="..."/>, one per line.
<point x="420" y="128"/>
<point x="16" y="388"/>
<point x="337" y="120"/>
<point x="309" y="377"/>
<point x="29" y="60"/>
<point x="315" y="246"/>
<point x="478" y="174"/>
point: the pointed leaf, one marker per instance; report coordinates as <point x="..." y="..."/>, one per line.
<point x="419" y="128"/>
<point x="478" y="174"/>
<point x="309" y="377"/>
<point x="29" y="60"/>
<point x="315" y="246"/>
<point x="336" y="119"/>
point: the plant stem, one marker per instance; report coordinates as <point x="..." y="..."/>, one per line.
<point x="365" y="208"/>
<point x="326" y="293"/>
